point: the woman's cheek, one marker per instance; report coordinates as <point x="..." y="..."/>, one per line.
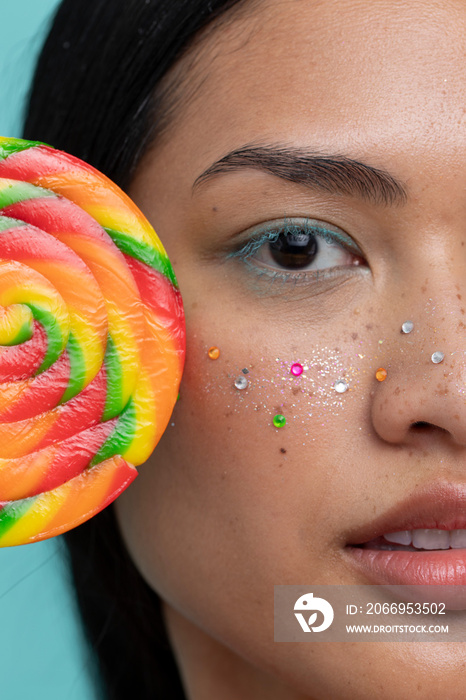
<point x="252" y="427"/>
<point x="253" y="458"/>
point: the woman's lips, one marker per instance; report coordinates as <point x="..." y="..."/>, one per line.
<point x="421" y="568"/>
<point x="439" y="506"/>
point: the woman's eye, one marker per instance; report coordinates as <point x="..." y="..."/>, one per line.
<point x="300" y="247"/>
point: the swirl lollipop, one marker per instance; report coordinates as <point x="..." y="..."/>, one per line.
<point x="91" y="341"/>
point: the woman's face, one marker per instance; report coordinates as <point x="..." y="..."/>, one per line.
<point x="316" y="263"/>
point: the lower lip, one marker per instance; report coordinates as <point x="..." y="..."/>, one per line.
<point x="440" y="567"/>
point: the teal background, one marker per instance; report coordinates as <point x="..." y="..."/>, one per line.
<point x="23" y="24"/>
<point x="42" y="655"/>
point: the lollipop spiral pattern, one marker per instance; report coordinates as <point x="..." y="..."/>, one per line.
<point x="91" y="341"/>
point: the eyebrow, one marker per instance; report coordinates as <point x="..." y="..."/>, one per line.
<point x="335" y="174"/>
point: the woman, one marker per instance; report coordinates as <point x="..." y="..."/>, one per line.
<point x="303" y="165"/>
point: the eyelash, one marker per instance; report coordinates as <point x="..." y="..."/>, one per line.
<point x="271" y="233"/>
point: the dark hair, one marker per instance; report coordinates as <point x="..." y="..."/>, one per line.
<point x="98" y="92"/>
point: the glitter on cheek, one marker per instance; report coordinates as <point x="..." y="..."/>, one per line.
<point x="309" y="395"/>
<point x="308" y="400"/>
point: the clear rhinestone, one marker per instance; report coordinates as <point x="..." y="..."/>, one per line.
<point x="241" y="382"/>
<point x="437" y="357"/>
<point x="407" y="327"/>
<point x="340" y="386"/>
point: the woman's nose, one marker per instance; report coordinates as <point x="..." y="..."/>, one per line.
<point x="425" y="387"/>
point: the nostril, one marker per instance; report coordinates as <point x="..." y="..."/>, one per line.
<point x="420" y="425"/>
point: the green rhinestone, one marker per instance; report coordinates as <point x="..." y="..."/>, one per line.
<point x="279" y="421"/>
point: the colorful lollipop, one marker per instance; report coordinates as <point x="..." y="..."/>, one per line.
<point x="91" y="341"/>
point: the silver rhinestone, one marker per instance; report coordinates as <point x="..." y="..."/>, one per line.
<point x="340" y="386"/>
<point x="241" y="383"/>
<point x="407" y="327"/>
<point x="437" y="357"/>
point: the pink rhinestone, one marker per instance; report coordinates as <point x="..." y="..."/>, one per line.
<point x="296" y="369"/>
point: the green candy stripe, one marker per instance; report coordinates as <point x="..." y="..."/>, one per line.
<point x="7" y="223"/>
<point x="144" y="253"/>
<point x="13" y="512"/>
<point x="121" y="438"/>
<point x="77" y="369"/>
<point x="20" y="191"/>
<point x="114" y="373"/>
<point x="23" y="334"/>
<point x="7" y="148"/>
<point x="53" y="333"/>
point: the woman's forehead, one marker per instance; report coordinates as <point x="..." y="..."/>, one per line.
<point x="382" y="82"/>
<point x="334" y="75"/>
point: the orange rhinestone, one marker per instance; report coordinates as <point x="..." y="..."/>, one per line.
<point x="214" y="353"/>
<point x="381" y="374"/>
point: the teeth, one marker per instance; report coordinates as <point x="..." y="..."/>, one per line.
<point x="458" y="539"/>
<point x="402" y="537"/>
<point x="429" y="539"/>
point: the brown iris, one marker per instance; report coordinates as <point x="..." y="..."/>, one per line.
<point x="294" y="250"/>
